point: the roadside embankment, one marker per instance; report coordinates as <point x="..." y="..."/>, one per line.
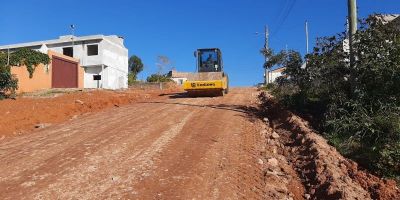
<point x="323" y="171"/>
<point x="42" y="109"/>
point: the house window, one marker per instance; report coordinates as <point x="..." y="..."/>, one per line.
<point x="92" y="50"/>
<point x="68" y="51"/>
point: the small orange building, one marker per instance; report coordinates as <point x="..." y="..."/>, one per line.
<point x="62" y="72"/>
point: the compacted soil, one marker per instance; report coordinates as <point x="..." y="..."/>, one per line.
<point x="45" y="108"/>
<point x="164" y="145"/>
<point x="166" y="148"/>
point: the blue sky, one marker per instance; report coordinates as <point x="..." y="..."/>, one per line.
<point x="175" y="28"/>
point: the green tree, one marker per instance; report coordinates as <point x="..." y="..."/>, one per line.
<point x="8" y="83"/>
<point x="158" y="78"/>
<point x="358" y="106"/>
<point x="23" y="56"/>
<point x="135" y="67"/>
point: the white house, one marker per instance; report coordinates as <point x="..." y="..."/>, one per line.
<point x="178" y="77"/>
<point x="274" y="74"/>
<point x="98" y="55"/>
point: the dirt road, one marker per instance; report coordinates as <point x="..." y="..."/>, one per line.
<point x="179" y="148"/>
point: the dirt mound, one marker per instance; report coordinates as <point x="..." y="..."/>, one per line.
<point x="42" y="109"/>
<point x="323" y="171"/>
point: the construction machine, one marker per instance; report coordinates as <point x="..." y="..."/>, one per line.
<point x="210" y="79"/>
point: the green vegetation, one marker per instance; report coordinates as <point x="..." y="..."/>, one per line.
<point x="23" y="56"/>
<point x="356" y="107"/>
<point x="163" y="62"/>
<point x="8" y="83"/>
<point x="135" y="67"/>
<point x="158" y="78"/>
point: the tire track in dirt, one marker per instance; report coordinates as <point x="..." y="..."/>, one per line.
<point x="144" y="160"/>
<point x="205" y="163"/>
<point x="87" y="120"/>
<point x="74" y="150"/>
<point x="179" y="148"/>
<point x="178" y="170"/>
<point x="130" y="167"/>
<point x="72" y="138"/>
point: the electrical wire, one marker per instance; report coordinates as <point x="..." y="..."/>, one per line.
<point x="282" y="11"/>
<point x="286" y="12"/>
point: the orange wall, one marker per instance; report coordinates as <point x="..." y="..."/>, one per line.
<point x="41" y="79"/>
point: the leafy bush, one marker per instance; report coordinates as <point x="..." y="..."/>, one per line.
<point x="131" y="78"/>
<point x="358" y="105"/>
<point x="8" y="83"/>
<point x="23" y="56"/>
<point x="268" y="86"/>
<point x="28" y="57"/>
<point x="158" y="78"/>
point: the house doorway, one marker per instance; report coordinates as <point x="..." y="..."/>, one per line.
<point x="64" y="73"/>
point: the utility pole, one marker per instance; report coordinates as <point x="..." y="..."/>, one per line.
<point x="306" y="27"/>
<point x="72" y="32"/>
<point x="307" y="45"/>
<point x="266" y="47"/>
<point x="8" y="57"/>
<point x="352" y="8"/>
<point x="286" y="54"/>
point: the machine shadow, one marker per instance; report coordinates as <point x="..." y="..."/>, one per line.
<point x="178" y="95"/>
<point x="250" y="112"/>
<point x="184" y="95"/>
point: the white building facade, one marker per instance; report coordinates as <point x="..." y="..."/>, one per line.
<point x="178" y="77"/>
<point x="104" y="58"/>
<point x="274" y="74"/>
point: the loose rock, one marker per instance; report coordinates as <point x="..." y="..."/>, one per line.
<point x="272" y="162"/>
<point x="274" y="150"/>
<point x="39" y="126"/>
<point x="275" y="135"/>
<point x="79" y="101"/>
<point x="264" y="132"/>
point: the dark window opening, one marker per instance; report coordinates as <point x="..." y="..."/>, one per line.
<point x="68" y="51"/>
<point x="92" y="50"/>
<point x="209" y="60"/>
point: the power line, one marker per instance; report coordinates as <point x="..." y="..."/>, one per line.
<point x="281" y="13"/>
<point x="285" y="15"/>
<point x="288" y="11"/>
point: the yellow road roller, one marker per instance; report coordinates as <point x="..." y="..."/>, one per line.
<point x="210" y="79"/>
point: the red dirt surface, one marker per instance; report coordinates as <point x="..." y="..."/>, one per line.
<point x="23" y="114"/>
<point x="168" y="148"/>
<point x="139" y="144"/>
<point x="324" y="172"/>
